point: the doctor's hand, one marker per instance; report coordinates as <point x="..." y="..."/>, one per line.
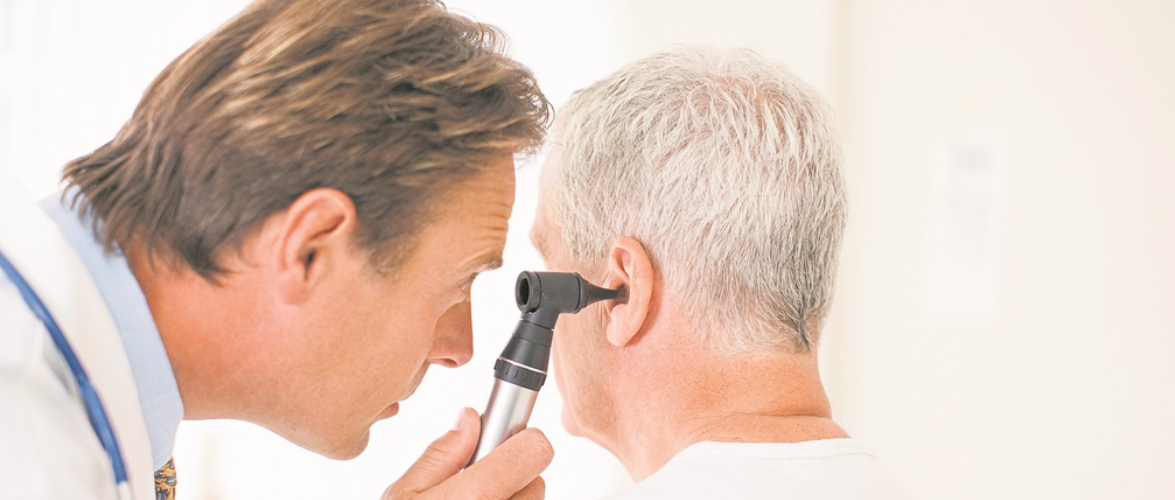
<point x="511" y="471"/>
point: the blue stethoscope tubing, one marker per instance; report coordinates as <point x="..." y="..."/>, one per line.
<point x="94" y="407"/>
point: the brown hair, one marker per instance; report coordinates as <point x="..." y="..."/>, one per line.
<point x="380" y="99"/>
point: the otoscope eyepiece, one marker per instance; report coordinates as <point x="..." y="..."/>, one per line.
<point x="527" y="291"/>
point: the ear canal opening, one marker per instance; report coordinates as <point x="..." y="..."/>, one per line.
<point x="622" y="294"/>
<point x="595" y="294"/>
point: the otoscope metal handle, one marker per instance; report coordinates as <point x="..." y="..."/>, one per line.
<point x="506" y="415"/>
<point x="521" y="369"/>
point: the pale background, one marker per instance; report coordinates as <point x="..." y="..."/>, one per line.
<point x="1003" y="320"/>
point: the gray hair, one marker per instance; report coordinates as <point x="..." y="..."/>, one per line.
<point x="726" y="167"/>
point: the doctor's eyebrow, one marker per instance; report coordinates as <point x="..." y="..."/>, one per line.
<point x="489" y="262"/>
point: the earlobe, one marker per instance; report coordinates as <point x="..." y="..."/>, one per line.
<point x="629" y="266"/>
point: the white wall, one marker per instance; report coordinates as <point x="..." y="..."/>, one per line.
<point x="1003" y="320"/>
<point x="999" y="327"/>
<point x="803" y="33"/>
<point x="71" y="72"/>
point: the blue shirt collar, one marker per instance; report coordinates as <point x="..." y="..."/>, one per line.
<point x="159" y="396"/>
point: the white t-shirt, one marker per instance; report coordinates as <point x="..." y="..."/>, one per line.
<point x="827" y="469"/>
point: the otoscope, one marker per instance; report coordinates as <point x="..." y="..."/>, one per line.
<point x="521" y="370"/>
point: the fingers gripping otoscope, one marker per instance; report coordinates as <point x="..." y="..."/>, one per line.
<point x="521" y="370"/>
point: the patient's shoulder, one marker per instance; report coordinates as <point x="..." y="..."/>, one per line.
<point x="827" y="469"/>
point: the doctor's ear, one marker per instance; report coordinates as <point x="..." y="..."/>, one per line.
<point x="628" y="265"/>
<point x="314" y="232"/>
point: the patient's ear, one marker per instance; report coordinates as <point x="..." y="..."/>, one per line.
<point x="629" y="266"/>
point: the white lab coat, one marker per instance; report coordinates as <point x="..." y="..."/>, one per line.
<point x="48" y="450"/>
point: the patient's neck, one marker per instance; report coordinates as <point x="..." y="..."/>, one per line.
<point x="704" y="396"/>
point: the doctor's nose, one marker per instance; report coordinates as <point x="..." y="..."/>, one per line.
<point x="453" y="343"/>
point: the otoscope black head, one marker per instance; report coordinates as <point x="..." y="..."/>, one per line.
<point x="562" y="292"/>
<point x="542" y="297"/>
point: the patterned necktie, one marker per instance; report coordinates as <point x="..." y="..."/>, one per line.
<point x="165" y="481"/>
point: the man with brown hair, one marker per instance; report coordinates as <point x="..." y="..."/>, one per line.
<point x="285" y="232"/>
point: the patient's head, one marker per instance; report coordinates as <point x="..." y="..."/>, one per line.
<point x="709" y="184"/>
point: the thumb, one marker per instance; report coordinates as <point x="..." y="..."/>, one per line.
<point x="444" y="457"/>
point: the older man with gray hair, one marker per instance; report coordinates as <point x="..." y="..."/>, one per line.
<point x="708" y="184"/>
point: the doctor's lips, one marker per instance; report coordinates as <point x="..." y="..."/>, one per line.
<point x="394" y="408"/>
